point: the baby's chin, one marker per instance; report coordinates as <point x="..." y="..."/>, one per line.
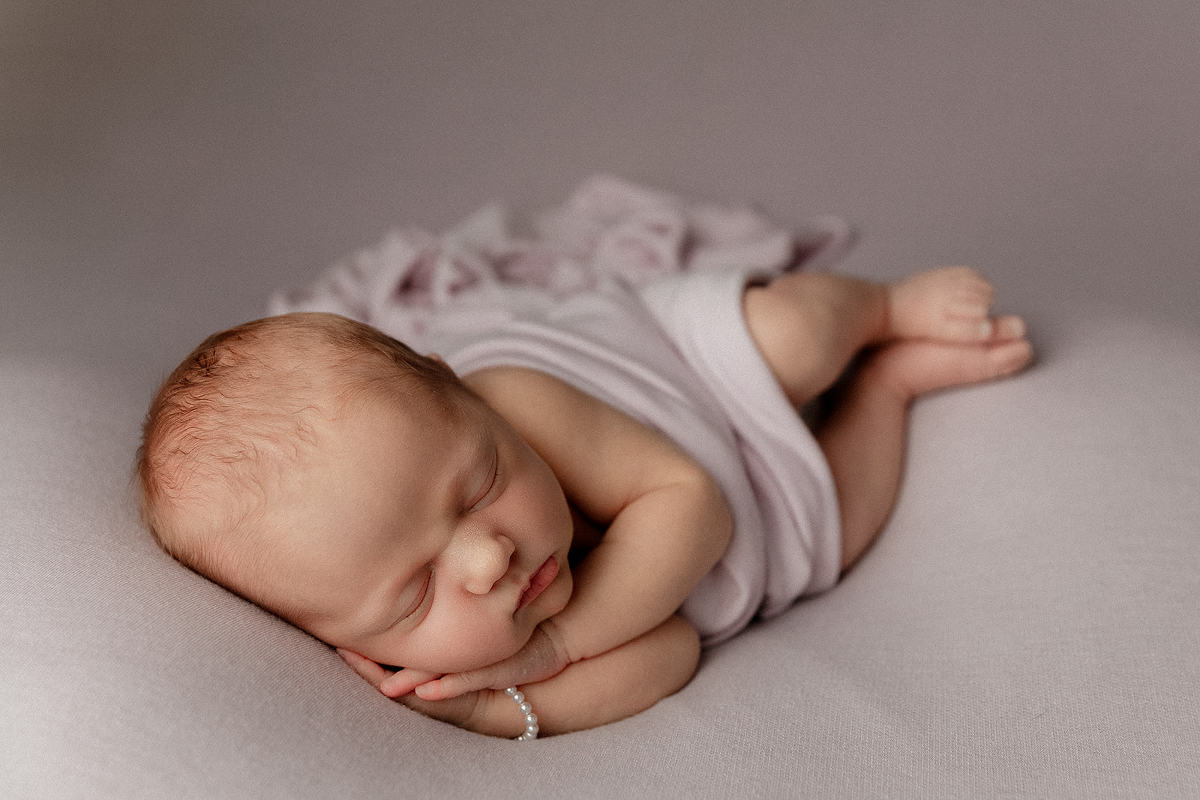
<point x="467" y="662"/>
<point x="454" y="665"/>
<point x="493" y="657"/>
<point x="462" y="663"/>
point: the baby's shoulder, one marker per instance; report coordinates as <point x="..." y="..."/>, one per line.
<point x="502" y="381"/>
<point x="521" y="394"/>
<point x="603" y="458"/>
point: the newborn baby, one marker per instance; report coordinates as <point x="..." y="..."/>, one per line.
<point x="457" y="535"/>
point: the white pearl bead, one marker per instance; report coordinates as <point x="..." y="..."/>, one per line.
<point x="531" y="720"/>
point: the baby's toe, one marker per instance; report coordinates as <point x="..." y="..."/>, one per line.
<point x="964" y="328"/>
<point x="1008" y="327"/>
<point x="947" y="304"/>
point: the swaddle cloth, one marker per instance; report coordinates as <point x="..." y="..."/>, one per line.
<point x="678" y="357"/>
<point x="434" y="292"/>
<point x="657" y="333"/>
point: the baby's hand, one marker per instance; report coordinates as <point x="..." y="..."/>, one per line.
<point x="392" y="683"/>
<point x="542" y="657"/>
<point x="459" y="711"/>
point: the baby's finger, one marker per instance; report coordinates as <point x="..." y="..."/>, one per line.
<point x="371" y="672"/>
<point x="448" y="686"/>
<point x="401" y="683"/>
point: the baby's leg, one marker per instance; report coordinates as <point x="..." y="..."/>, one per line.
<point x="810" y="326"/>
<point x="863" y="438"/>
<point x="931" y="331"/>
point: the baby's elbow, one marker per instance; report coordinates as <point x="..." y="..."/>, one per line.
<point x="688" y="651"/>
<point x="677" y="654"/>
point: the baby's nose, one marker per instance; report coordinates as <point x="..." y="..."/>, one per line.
<point x="487" y="560"/>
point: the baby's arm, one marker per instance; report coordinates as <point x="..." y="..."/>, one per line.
<point x="668" y="523"/>
<point x="596" y="691"/>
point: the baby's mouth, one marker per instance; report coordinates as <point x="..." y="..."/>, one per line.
<point x="543" y="577"/>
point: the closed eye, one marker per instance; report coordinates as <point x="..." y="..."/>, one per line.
<point x="487" y="492"/>
<point x="419" y="600"/>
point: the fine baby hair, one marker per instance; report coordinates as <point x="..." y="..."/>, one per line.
<point x="240" y="409"/>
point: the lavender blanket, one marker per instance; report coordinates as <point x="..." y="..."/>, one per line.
<point x="435" y="291"/>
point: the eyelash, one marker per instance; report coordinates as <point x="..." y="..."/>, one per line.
<point x="426" y="587"/>
<point x="492" y="483"/>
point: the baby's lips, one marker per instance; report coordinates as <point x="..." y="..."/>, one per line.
<point x="544" y="576"/>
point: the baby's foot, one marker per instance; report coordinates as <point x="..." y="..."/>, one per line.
<point x="950" y="304"/>
<point x="916" y="367"/>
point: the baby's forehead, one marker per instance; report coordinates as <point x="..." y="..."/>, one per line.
<point x="435" y="412"/>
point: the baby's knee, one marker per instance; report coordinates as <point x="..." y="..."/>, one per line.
<point x="794" y="338"/>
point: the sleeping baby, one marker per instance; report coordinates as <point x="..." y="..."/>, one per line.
<point x="541" y="530"/>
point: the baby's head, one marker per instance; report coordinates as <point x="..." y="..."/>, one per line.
<point x="357" y="489"/>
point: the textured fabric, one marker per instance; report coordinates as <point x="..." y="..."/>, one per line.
<point x="683" y="363"/>
<point x="793" y="487"/>
<point x="1024" y="627"/>
<point x="435" y="292"/>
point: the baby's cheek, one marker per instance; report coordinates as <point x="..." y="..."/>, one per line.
<point x="467" y="647"/>
<point x="500" y="648"/>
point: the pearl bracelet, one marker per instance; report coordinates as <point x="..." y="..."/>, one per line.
<point x="531" y="720"/>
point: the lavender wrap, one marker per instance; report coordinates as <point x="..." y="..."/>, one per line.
<point x="634" y="296"/>
<point x="676" y="355"/>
